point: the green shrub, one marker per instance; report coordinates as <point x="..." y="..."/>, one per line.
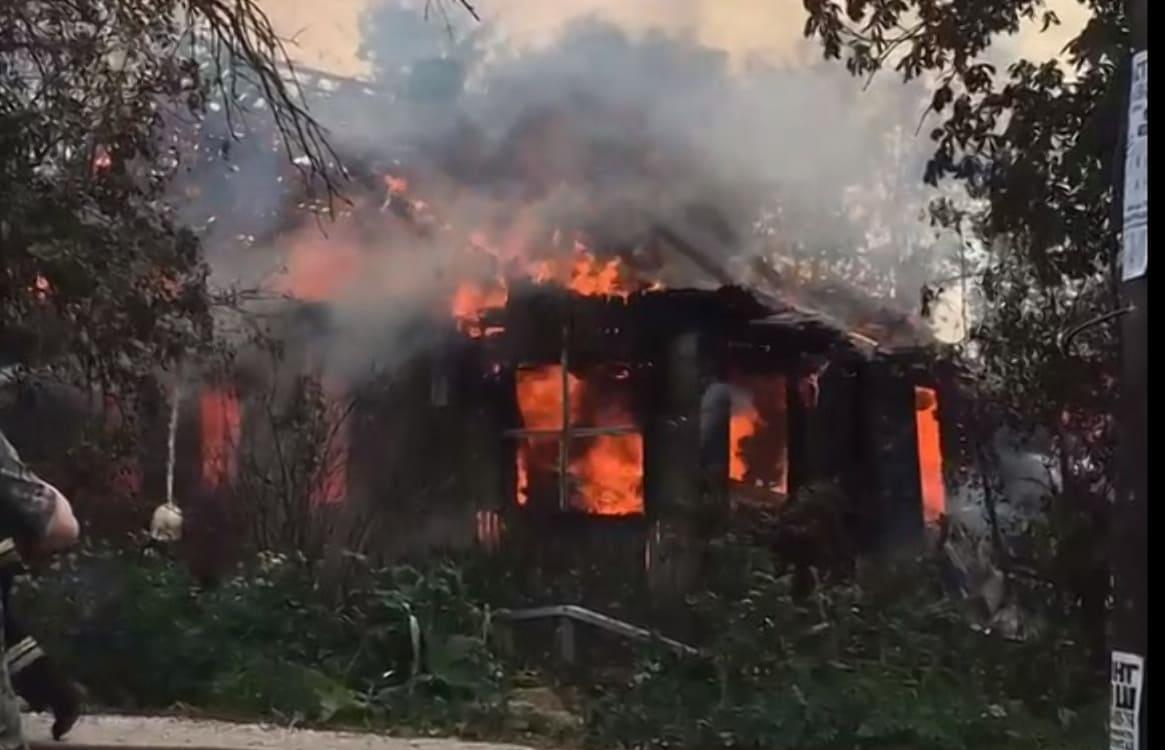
<point x="268" y="641"/>
<point x="890" y="663"/>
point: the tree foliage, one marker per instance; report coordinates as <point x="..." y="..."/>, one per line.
<point x="99" y="279"/>
<point x="1035" y="146"/>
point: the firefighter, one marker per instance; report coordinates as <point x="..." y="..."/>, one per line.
<point x="39" y="519"/>
<point x="35" y="675"/>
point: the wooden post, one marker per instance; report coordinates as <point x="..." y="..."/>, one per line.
<point x="564" y="445"/>
<point x="677" y="476"/>
<point x="678" y="473"/>
<point x="564" y="637"/>
<point x="798" y="454"/>
<point x="715" y="435"/>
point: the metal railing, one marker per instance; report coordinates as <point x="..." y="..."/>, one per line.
<point x="569" y="615"/>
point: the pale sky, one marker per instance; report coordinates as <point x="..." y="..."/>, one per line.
<point x="327" y="33"/>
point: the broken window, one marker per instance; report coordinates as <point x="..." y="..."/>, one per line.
<point x="758" y="435"/>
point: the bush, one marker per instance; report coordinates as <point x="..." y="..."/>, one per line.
<point x="270" y="640"/>
<point x="887" y="663"/>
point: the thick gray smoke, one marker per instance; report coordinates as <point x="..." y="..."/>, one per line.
<point x="1027" y="474"/>
<point x="596" y="129"/>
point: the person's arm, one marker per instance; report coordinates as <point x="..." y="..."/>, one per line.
<point x="33" y="512"/>
<point x="62" y="529"/>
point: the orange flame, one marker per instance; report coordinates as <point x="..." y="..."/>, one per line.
<point x="743" y="424"/>
<point x="580" y="272"/>
<point x="471" y="300"/>
<point x="540" y="404"/>
<point x="540" y="396"/>
<point x="590" y="277"/>
<point x="930" y="455"/>
<point x="758" y="433"/>
<point x="318" y="269"/>
<point x="220" y="416"/>
<point x="611" y="474"/>
<point x="606" y="470"/>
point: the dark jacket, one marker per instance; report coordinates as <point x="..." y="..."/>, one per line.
<point x="27" y="503"/>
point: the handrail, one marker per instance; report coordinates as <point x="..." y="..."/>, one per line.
<point x="586" y="616"/>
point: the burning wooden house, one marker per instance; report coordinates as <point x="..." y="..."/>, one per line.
<point x="568" y="403"/>
<point x="683" y="404"/>
<point x="587" y="396"/>
<point x="563" y="392"/>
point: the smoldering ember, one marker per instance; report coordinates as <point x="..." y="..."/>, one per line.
<point x="545" y="394"/>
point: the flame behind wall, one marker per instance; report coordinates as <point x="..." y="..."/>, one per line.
<point x="220" y="424"/>
<point x="930" y="457"/>
<point x="758" y="433"/>
<point x="220" y="420"/>
<point x="743" y="425"/>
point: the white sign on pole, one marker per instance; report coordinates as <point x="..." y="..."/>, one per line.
<point x="1124" y="724"/>
<point x="1135" y="251"/>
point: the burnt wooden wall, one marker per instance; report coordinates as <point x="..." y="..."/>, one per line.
<point x="891" y="453"/>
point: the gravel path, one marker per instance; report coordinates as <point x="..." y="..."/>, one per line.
<point x="165" y="733"/>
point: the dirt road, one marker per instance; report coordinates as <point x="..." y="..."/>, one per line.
<point x="101" y="732"/>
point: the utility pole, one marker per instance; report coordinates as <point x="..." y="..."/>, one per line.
<point x="1128" y="727"/>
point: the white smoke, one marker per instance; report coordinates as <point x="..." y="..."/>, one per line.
<point x="1026" y="475"/>
<point x="665" y="129"/>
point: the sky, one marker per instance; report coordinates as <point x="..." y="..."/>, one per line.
<point x="327" y="33"/>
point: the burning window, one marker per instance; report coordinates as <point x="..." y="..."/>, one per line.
<point x="578" y="445"/>
<point x="758" y="433"/>
<point x="930" y="456"/>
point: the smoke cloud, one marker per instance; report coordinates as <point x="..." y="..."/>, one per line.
<point x="596" y="119"/>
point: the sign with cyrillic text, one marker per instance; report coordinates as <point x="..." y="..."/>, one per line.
<point x="1124" y="724"/>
